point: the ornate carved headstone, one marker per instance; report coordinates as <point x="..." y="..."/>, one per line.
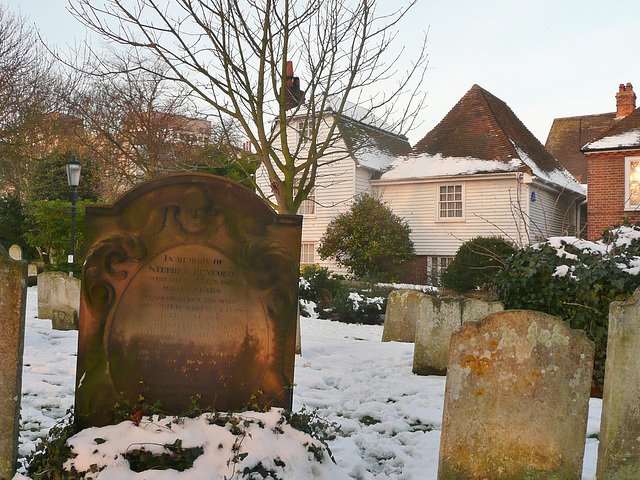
<point x="189" y="288"/>
<point x="517" y="399"/>
<point x="13" y="296"/>
<point x="619" y="446"/>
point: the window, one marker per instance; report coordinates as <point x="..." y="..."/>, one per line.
<point x="308" y="206"/>
<point x="632" y="186"/>
<point x="450" y="202"/>
<point x="435" y="267"/>
<point x="303" y="132"/>
<point x="307" y="253"/>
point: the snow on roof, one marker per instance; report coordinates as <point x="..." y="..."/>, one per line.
<point x="559" y="176"/>
<point x="374" y="158"/>
<point x="630" y="138"/>
<point x="438" y="165"/>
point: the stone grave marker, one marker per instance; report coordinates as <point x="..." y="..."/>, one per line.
<point x="189" y="288"/>
<point x="15" y="252"/>
<point x="403" y="308"/>
<point x="32" y="274"/>
<point x="619" y="440"/>
<point x="57" y="289"/>
<point x="516" y="399"/>
<point x="439" y="317"/>
<point x="13" y="296"/>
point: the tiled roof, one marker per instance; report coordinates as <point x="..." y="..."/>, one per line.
<point x="482" y="126"/>
<point x="568" y="135"/>
<point x="370" y="146"/>
<point x="623" y="134"/>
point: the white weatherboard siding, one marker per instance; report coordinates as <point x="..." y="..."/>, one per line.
<point x="489" y="209"/>
<point x="552" y="213"/>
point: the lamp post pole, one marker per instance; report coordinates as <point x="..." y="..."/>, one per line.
<point x="73" y="177"/>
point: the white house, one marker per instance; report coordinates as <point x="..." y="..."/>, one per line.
<point x="478" y="172"/>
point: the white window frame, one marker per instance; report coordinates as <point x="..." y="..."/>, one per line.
<point x="307" y="253"/>
<point x="303" y="133"/>
<point x="439" y="202"/>
<point x="308" y="206"/>
<point x="628" y="204"/>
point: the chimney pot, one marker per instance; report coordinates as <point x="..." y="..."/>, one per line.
<point x="625" y="101"/>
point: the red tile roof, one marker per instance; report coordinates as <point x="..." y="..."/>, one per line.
<point x="482" y="126"/>
<point x="568" y="135"/>
<point x="629" y="123"/>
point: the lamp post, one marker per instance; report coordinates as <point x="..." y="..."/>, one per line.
<point x="73" y="177"/>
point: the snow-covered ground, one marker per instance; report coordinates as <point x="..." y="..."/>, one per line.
<point x="390" y="419"/>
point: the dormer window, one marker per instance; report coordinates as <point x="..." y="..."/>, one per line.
<point x="632" y="184"/>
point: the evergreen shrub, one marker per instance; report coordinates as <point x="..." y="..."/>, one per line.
<point x="575" y="280"/>
<point x="476" y="263"/>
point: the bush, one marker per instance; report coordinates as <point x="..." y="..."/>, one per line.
<point x="575" y="280"/>
<point x="476" y="263"/>
<point x="339" y="301"/>
<point x="369" y="240"/>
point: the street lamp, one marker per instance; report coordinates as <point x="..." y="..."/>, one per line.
<point x="73" y="177"/>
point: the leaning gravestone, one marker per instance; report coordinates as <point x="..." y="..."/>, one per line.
<point x="13" y="296"/>
<point x="403" y="308"/>
<point x="439" y="318"/>
<point x="57" y="289"/>
<point x="189" y="288"/>
<point x="619" y="445"/>
<point x="516" y="400"/>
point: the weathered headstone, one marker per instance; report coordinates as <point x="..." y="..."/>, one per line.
<point x="32" y="274"/>
<point x="57" y="289"/>
<point x="13" y="296"/>
<point x="189" y="288"/>
<point x="15" y="252"/>
<point x="516" y="400"/>
<point x="403" y="308"/>
<point x="64" y="318"/>
<point x="439" y="317"/>
<point x="619" y="439"/>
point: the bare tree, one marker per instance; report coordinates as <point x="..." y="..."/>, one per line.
<point x="233" y="56"/>
<point x="31" y="93"/>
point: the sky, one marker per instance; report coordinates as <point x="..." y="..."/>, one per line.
<point x="545" y="58"/>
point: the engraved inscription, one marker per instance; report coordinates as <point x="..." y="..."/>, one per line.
<point x="189" y="323"/>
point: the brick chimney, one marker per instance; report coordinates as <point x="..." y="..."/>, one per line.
<point x="625" y="100"/>
<point x="293" y="96"/>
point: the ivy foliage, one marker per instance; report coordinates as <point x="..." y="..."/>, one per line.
<point x="369" y="240"/>
<point x="476" y="263"/>
<point x="575" y="280"/>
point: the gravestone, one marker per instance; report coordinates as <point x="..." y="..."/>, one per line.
<point x="32" y="274"/>
<point x="439" y="317"/>
<point x="189" y="288"/>
<point x="619" y="439"/>
<point x="13" y="296"/>
<point x="15" y="252"/>
<point x="403" y="308"/>
<point x="57" y="289"/>
<point x="516" y="399"/>
<point x="64" y="318"/>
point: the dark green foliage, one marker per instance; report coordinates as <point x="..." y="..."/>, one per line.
<point x="12" y="224"/>
<point x="338" y="300"/>
<point x="52" y="452"/>
<point x="369" y="240"/>
<point x="581" y="297"/>
<point x="50" y="179"/>
<point x="48" y="229"/>
<point x="175" y="458"/>
<point x="476" y="263"/>
<point x="228" y="162"/>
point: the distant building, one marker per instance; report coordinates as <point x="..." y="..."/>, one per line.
<point x="568" y="135"/>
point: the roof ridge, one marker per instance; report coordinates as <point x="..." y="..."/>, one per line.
<point x="497" y="120"/>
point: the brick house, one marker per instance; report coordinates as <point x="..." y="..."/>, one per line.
<point x="613" y="163"/>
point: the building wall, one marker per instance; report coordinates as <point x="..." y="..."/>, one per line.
<point x="607" y="192"/>
<point x="490" y="208"/>
<point x="552" y="213"/>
